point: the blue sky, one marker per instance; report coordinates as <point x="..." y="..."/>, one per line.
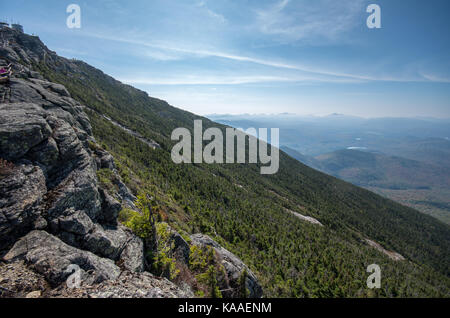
<point x="261" y="56"/>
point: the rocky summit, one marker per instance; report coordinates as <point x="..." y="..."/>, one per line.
<point x="54" y="213"/>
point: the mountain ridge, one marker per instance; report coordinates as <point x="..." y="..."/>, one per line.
<point x="289" y="257"/>
<point x="62" y="225"/>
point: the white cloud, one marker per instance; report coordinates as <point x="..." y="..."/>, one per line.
<point x="225" y="80"/>
<point x="161" y="55"/>
<point x="166" y="52"/>
<point x="291" y="21"/>
<point x="436" y="78"/>
<point x="211" y="13"/>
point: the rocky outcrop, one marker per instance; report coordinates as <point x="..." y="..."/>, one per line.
<point x="54" y="214"/>
<point x="305" y="218"/>
<point x="127" y="285"/>
<point x="21" y="197"/>
<point x="23" y="126"/>
<point x="181" y="248"/>
<point x="51" y="257"/>
<point x="22" y="281"/>
<point x="234" y="267"/>
<point x="392" y="255"/>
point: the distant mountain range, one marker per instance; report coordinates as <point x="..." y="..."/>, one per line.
<point x="404" y="159"/>
<point x="423" y="186"/>
<point x="314" y="136"/>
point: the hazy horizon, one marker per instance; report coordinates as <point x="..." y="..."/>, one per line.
<point x="418" y="117"/>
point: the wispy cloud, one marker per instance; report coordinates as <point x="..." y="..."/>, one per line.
<point x="226" y="80"/>
<point x="161" y="55"/>
<point x="164" y="52"/>
<point x="435" y="78"/>
<point x="211" y="13"/>
<point x="317" y="20"/>
<point x="282" y="54"/>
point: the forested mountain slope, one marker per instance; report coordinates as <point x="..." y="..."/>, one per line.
<point x="420" y="185"/>
<point x="248" y="213"/>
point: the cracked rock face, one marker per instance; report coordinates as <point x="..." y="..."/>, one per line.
<point x="51" y="257"/>
<point x="52" y="212"/>
<point x="21" y="196"/>
<point x="53" y="187"/>
<point x="127" y="285"/>
<point x="22" y="126"/>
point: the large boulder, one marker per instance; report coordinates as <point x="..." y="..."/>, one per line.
<point x="132" y="256"/>
<point x="106" y="242"/>
<point x="104" y="159"/>
<point x="76" y="223"/>
<point x="78" y="191"/>
<point x="234" y="267"/>
<point x="51" y="257"/>
<point x="181" y="249"/>
<point x="117" y="243"/>
<point x="22" y="126"/>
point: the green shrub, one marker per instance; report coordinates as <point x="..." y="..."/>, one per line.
<point x="140" y="223"/>
<point x="200" y="294"/>
<point x="93" y="146"/>
<point x="200" y="257"/>
<point x="106" y="179"/>
<point x="163" y="264"/>
<point x="209" y="278"/>
<point x="243" y="291"/>
<point x="125" y="215"/>
<point x="204" y="262"/>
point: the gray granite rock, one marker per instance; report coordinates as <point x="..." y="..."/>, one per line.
<point x="76" y="222"/>
<point x="51" y="257"/>
<point x="233" y="267"/>
<point x="110" y="208"/>
<point x="22" y="126"/>
<point x="21" y="194"/>
<point x="132" y="256"/>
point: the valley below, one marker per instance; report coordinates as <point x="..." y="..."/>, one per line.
<point x="402" y="159"/>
